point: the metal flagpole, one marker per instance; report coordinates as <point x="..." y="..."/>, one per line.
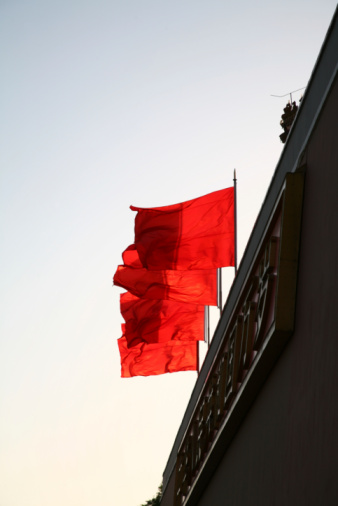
<point x="219" y="290"/>
<point x="235" y="220"/>
<point x="207" y="325"/>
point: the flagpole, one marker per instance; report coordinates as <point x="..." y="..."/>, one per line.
<point x="219" y="290"/>
<point x="198" y="357"/>
<point x="207" y="325"/>
<point x="235" y="220"/>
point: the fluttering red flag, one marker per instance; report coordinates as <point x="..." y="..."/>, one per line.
<point x="146" y="359"/>
<point x="195" y="287"/>
<point x="196" y="234"/>
<point x="157" y="321"/>
<point x="170" y="274"/>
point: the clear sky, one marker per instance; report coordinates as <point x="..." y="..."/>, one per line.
<point x="105" y="104"/>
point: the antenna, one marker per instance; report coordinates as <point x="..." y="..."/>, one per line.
<point x="290" y="93"/>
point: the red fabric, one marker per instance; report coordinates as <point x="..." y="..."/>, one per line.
<point x="197" y="234"/>
<point x="151" y="359"/>
<point x="130" y="257"/>
<point x="156" y="321"/>
<point x="195" y="287"/>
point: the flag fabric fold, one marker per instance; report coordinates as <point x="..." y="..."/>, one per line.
<point x="196" y="234"/>
<point x="131" y="258"/>
<point x="197" y="287"/>
<point x="146" y="359"/>
<point x="157" y="321"/>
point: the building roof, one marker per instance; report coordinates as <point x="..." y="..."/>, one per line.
<point x="319" y="86"/>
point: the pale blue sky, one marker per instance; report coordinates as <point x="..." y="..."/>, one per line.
<point x="106" y="104"/>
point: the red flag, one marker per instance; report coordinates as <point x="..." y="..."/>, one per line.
<point x="195" y="287"/>
<point x="151" y="359"/>
<point x="197" y="234"/>
<point x="156" y="321"/>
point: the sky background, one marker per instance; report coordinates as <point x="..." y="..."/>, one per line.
<point x="104" y="104"/>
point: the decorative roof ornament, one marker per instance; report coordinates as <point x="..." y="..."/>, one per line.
<point x="289" y="114"/>
<point x="287" y="119"/>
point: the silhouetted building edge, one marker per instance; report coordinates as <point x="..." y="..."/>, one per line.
<point x="273" y="454"/>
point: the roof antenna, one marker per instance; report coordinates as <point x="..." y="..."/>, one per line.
<point x="289" y="114"/>
<point x="290" y="93"/>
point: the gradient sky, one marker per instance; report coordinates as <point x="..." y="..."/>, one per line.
<point x="106" y="104"/>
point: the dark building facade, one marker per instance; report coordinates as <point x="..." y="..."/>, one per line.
<point x="261" y="427"/>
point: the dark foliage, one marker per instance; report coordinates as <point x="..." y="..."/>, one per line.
<point x="156" y="500"/>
